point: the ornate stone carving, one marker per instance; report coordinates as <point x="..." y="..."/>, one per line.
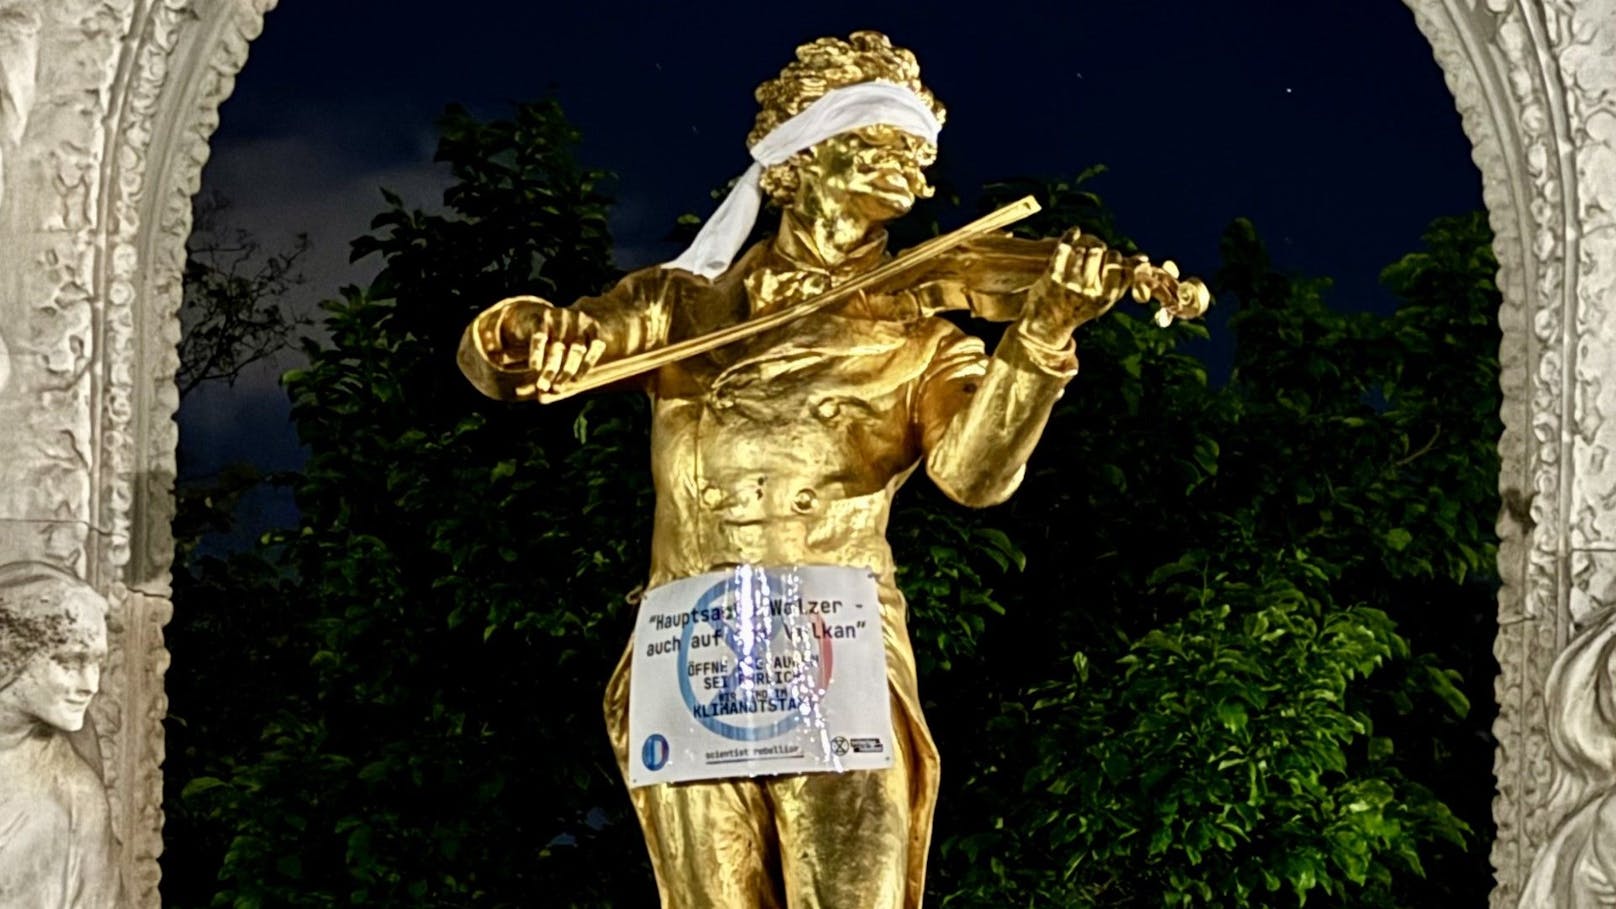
<point x="185" y="56"/>
<point x="93" y="222"/>
<point x="1534" y="84"/>
<point x="19" y="61"/>
<point x="105" y="110"/>
<point x="1578" y="863"/>
<point x="49" y="218"/>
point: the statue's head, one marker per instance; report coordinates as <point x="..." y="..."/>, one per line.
<point x="53" y="640"/>
<point x="879" y="170"/>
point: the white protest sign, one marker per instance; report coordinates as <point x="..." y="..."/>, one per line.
<point x="755" y="671"/>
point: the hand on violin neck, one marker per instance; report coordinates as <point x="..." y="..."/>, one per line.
<point x="1083" y="280"/>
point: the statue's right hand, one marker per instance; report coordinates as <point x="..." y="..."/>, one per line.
<point x="562" y="344"/>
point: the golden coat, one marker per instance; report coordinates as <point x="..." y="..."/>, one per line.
<point x="788" y="448"/>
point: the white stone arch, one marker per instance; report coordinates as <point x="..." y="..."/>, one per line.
<point x="1535" y="84"/>
<point x="106" y="107"/>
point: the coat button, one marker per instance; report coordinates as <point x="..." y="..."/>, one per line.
<point x="712" y="496"/>
<point x="805" y="500"/>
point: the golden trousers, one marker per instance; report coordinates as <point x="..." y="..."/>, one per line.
<point x="803" y="841"/>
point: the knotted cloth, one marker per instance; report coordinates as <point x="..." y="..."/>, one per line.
<point x="837" y="111"/>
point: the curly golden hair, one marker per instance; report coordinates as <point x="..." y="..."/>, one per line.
<point x="822" y="65"/>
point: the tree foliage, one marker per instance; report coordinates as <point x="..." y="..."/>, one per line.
<point x="449" y="595"/>
<point x="1197" y="660"/>
<point x="1237" y="693"/>
<point x="233" y="313"/>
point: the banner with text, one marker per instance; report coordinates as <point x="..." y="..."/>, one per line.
<point x="755" y="671"/>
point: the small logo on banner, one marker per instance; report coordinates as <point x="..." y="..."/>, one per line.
<point x="655" y="752"/>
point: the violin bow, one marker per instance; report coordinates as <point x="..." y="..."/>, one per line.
<point x="618" y="370"/>
<point x="1179" y="298"/>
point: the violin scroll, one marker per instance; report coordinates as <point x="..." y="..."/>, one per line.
<point x="1179" y="298"/>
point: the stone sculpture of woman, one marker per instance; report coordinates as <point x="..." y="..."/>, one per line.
<point x="55" y="841"/>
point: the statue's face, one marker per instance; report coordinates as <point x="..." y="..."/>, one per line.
<point x="875" y="173"/>
<point x="56" y="686"/>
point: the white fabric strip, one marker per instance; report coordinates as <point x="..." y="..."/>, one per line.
<point x="837" y="111"/>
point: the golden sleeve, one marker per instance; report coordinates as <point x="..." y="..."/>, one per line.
<point x="980" y="417"/>
<point x="632" y="317"/>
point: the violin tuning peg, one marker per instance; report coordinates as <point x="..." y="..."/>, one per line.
<point x="1194" y="298"/>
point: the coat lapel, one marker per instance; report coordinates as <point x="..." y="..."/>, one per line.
<point x="814" y="341"/>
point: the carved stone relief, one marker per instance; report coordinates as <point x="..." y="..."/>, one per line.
<point x="1535" y="83"/>
<point x="1578" y="864"/>
<point x="105" y="111"/>
<point x="55" y="835"/>
<point x="19" y="63"/>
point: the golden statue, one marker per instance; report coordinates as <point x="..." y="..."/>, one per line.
<point x="784" y="444"/>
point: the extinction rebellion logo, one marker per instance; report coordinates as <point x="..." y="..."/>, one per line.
<point x="753" y="663"/>
<point x="758" y="669"/>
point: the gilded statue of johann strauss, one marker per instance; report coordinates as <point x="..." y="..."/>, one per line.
<point x="787" y="448"/>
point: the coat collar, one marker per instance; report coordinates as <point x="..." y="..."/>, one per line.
<point x="791" y="268"/>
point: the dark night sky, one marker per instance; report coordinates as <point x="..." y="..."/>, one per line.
<point x="1324" y="121"/>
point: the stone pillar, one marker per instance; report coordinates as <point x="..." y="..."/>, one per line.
<point x="106" y="107"/>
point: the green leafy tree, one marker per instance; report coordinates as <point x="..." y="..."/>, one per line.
<point x="234" y="312"/>
<point x="1194" y="662"/>
<point x="456" y="586"/>
<point x="1208" y="566"/>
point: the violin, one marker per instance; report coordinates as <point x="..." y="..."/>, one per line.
<point x="999" y="267"/>
<point x="994" y="264"/>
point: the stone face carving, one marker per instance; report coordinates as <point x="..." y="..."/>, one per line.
<point x="55" y="838"/>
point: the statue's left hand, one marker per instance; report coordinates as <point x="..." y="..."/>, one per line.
<point x="1085" y="278"/>
<point x="560" y="344"/>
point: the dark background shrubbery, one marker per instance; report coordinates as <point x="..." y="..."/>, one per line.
<point x="1229" y="645"/>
